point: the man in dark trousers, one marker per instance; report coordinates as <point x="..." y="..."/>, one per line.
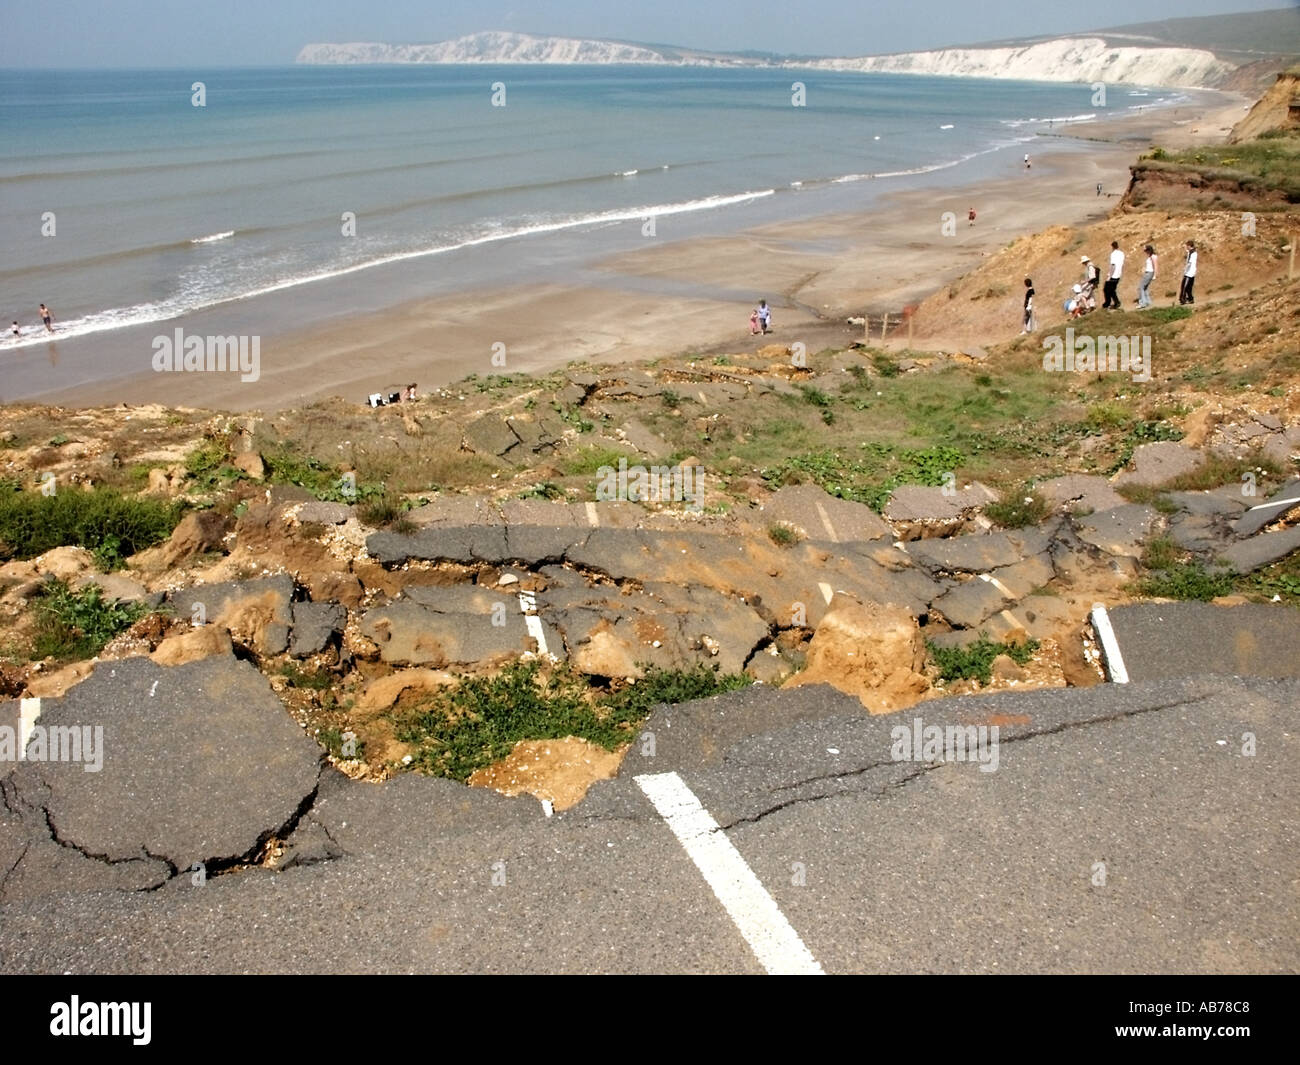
<point x="1189" y="275"/>
<point x="1110" y="289"/>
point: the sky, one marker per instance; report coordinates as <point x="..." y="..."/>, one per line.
<point x="213" y="33"/>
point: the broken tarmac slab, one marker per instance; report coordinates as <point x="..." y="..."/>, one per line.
<point x="315" y="626"/>
<point x="1276" y="507"/>
<point x="200" y="764"/>
<point x="822" y="516"/>
<point x="407" y="633"/>
<point x="1262" y="549"/>
<point x="258" y="610"/>
<point x="1081" y="491"/>
<point x="979" y="553"/>
<point x="1173" y="640"/>
<point x="1157" y="463"/>
<point x="1120" y="530"/>
<point x="922" y="503"/>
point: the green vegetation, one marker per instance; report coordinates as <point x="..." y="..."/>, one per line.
<point x="1261" y="165"/>
<point x="458" y="730"/>
<point x="589" y="460"/>
<point x="871" y="478"/>
<point x="975" y="661"/>
<point x="782" y="535"/>
<point x="110" y="525"/>
<point x="72" y="626"/>
<point x="313" y="680"/>
<point x="1018" y="508"/>
<point x="1169" y="575"/>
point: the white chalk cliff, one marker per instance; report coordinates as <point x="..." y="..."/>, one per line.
<point x="1086" y="59"/>
<point x="1071" y="59"/>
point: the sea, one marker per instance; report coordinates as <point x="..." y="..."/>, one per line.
<point x="265" y="200"/>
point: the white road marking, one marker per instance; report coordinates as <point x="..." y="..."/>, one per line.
<point x="592" y="519"/>
<point x="827" y="592"/>
<point x="826" y="523"/>
<point x="989" y="578"/>
<point x="775" y="943"/>
<point x="1277" y="503"/>
<point x="1109" y="645"/>
<point x="28" y="711"/>
<point x="528" y="605"/>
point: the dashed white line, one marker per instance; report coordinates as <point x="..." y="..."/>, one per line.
<point x="28" y="711"/>
<point x="592" y="518"/>
<point x="826" y="523"/>
<point x="528" y="606"/>
<point x="1109" y="644"/>
<point x="754" y="912"/>
<point x="1276" y="503"/>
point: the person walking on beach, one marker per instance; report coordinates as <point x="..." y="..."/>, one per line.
<point x="1028" y="326"/>
<point x="971" y="216"/>
<point x="1098" y="188"/>
<point x="764" y="316"/>
<point x="1111" y="288"/>
<point x="46" y="316"/>
<point x="17" y="331"/>
<point x="1189" y="276"/>
<point x="1148" y="275"/>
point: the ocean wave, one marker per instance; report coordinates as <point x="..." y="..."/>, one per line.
<point x="1063" y="119"/>
<point x="143" y="314"/>
<point x="213" y="237"/>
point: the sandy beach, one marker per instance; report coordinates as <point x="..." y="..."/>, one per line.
<point x="671" y="298"/>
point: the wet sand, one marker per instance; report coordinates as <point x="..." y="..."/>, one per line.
<point x="669" y="299"/>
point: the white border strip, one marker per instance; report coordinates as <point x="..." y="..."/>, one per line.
<point x="1277" y="503"/>
<point x="1109" y="645"/>
<point x="775" y="943"/>
<point x="528" y="607"/>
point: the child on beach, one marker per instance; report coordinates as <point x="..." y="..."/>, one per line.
<point x="16" y="330"/>
<point x="971" y="216"/>
<point x="753" y="322"/>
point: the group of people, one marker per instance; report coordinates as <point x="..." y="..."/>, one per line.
<point x="46" y="317"/>
<point x="1084" y="298"/>
<point x="760" y="319"/>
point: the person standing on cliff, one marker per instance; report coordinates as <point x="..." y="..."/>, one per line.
<point x="1028" y="326"/>
<point x="1148" y="275"/>
<point x="1111" y="288"/>
<point x="1189" y="275"/>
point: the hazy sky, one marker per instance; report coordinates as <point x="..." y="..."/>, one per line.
<point x="206" y="33"/>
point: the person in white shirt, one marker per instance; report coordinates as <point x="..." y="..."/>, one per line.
<point x="1111" y="288"/>
<point x="1148" y="275"/>
<point x="1189" y="275"/>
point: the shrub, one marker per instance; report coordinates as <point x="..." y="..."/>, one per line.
<point x="104" y="521"/>
<point x="71" y="626"/>
<point x="975" y="661"/>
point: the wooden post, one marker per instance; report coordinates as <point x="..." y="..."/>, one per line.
<point x="884" y="326"/>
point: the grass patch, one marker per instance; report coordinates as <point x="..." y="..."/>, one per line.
<point x="782" y="535"/>
<point x="589" y="460"/>
<point x="110" y="525"/>
<point x="975" y="662"/>
<point x="1018" y="508"/>
<point x="73" y="626"/>
<point x="1171" y="576"/>
<point x="465" y="728"/>
<point x="871" y="478"/>
<point x="312" y="680"/>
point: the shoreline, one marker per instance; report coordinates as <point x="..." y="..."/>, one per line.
<point x="689" y="295"/>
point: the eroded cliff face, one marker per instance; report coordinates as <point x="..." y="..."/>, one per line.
<point x="1277" y="109"/>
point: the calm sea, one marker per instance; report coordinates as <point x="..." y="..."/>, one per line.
<point x="122" y="204"/>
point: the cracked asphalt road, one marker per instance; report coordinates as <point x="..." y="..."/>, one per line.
<point x="1124" y="831"/>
